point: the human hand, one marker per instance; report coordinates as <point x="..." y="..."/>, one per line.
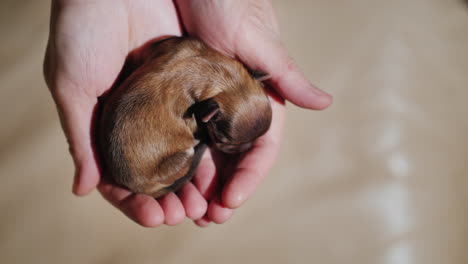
<point x="87" y="49"/>
<point x="246" y="30"/>
<point x="88" y="44"/>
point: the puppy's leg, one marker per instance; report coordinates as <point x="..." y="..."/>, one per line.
<point x="199" y="150"/>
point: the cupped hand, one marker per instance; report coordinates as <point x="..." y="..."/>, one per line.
<point x="248" y="31"/>
<point x="88" y="44"/>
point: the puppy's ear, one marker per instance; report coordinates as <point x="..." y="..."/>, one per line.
<point x="206" y="110"/>
<point x="259" y="75"/>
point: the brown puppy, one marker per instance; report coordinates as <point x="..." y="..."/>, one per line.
<point x="184" y="93"/>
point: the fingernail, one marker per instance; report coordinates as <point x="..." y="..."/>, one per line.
<point x="318" y="91"/>
<point x="300" y="79"/>
<point x="237" y="200"/>
<point x="75" y="182"/>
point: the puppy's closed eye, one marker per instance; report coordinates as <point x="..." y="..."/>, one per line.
<point x="259" y="75"/>
<point x="205" y="110"/>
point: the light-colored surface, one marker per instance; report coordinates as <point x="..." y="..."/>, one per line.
<point x="381" y="177"/>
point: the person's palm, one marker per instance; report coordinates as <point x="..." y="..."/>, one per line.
<point x="88" y="44"/>
<point x="248" y="31"/>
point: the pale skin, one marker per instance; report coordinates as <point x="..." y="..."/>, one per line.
<point x="88" y="44"/>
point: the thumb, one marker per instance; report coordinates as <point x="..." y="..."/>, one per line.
<point x="260" y="51"/>
<point x="76" y="112"/>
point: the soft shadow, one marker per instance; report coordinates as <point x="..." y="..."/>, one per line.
<point x="465" y="3"/>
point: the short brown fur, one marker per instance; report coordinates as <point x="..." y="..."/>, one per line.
<point x="148" y="123"/>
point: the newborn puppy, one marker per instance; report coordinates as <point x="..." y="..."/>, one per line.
<point x="155" y="126"/>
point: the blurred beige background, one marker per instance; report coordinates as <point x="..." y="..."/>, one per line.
<point x="380" y="177"/>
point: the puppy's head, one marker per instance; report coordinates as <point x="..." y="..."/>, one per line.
<point x="236" y="117"/>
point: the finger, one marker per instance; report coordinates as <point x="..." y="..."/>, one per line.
<point x="203" y="222"/>
<point x="193" y="202"/>
<point x="76" y="115"/>
<point x="207" y="182"/>
<point x="142" y="209"/>
<point x="219" y="213"/>
<point x="205" y="179"/>
<point x="260" y="51"/>
<point x="255" y="164"/>
<point x="113" y="193"/>
<point x="173" y="209"/>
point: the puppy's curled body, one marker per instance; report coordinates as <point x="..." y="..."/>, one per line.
<point x="184" y="88"/>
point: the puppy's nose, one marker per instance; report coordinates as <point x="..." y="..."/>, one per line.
<point x="232" y="149"/>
